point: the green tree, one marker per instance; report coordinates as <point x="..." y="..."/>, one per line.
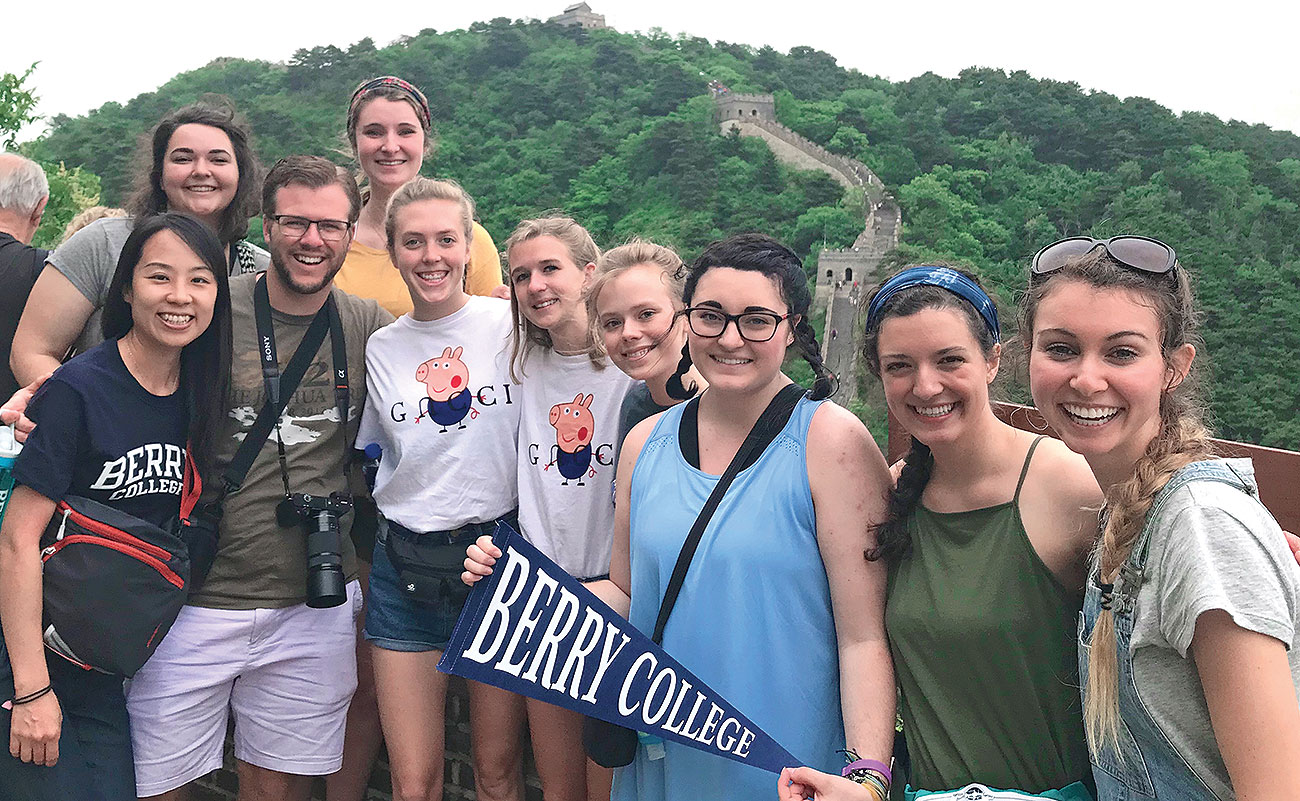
<point x="72" y="191"/>
<point x="17" y="105"/>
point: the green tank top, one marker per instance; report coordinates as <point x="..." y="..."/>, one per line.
<point x="983" y="640"/>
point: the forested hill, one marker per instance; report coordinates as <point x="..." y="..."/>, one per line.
<point x="617" y="130"/>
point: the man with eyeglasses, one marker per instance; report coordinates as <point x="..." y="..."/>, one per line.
<point x="248" y="640"/>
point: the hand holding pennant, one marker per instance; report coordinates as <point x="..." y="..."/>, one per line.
<point x="532" y="629"/>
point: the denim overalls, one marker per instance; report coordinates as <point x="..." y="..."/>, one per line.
<point x="1150" y="768"/>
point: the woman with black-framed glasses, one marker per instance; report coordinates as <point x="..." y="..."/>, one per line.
<point x="778" y="611"/>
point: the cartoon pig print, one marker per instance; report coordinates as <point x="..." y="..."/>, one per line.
<point x="574" y="429"/>
<point x="446" y="379"/>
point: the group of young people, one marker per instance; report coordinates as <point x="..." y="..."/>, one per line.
<point x="823" y="593"/>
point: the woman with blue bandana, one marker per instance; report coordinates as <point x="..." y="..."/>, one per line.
<point x="986" y="542"/>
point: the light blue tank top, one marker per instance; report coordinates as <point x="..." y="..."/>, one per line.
<point x="753" y="619"/>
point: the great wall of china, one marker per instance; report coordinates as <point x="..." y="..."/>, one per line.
<point x="841" y="273"/>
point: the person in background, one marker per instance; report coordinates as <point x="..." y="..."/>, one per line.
<point x="156" y="383"/>
<point x="390" y="132"/>
<point x="24" y="191"/>
<point x="1189" y="642"/>
<point x="87" y="217"/>
<point x="200" y="162"/>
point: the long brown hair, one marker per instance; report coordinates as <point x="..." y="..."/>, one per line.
<point x="1183" y="438"/>
<point x="215" y="112"/>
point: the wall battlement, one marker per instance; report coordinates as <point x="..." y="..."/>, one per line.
<point x="842" y="274"/>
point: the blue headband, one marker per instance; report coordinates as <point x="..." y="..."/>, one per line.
<point x="944" y="278"/>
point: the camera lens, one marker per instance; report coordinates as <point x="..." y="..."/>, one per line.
<point x="326" y="586"/>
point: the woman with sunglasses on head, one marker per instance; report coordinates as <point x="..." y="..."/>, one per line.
<point x="155" y="385"/>
<point x="1189" y="643"/>
<point x="985" y="543"/>
<point x="201" y="163"/>
<point x="810" y="666"/>
<point x="390" y="131"/>
<point x="634" y="304"/>
<point x="438" y="405"/>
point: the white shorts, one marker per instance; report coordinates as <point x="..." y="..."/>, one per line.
<point x="287" y="674"/>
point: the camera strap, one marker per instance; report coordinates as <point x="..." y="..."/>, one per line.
<point x="279" y="388"/>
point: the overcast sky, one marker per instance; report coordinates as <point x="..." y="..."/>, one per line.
<point x="1237" y="60"/>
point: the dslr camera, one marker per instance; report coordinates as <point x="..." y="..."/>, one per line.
<point x="319" y="516"/>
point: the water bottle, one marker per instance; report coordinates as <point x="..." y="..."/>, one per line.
<point x="9" y="448"/>
<point x="370" y="467"/>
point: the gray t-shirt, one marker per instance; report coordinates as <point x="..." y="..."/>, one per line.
<point x="1212" y="547"/>
<point x="89" y="259"/>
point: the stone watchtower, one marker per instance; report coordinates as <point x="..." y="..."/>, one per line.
<point x="581" y="15"/>
<point x="745" y="108"/>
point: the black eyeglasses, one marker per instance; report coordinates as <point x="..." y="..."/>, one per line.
<point x="753" y="326"/>
<point x="1136" y="252"/>
<point x="330" y="230"/>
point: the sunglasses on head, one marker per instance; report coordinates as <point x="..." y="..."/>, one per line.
<point x="1136" y="252"/>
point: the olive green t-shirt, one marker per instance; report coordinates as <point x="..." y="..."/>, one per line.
<point x="983" y="640"/>
<point x="260" y="565"/>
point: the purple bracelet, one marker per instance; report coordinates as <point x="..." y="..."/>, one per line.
<point x="869" y="764"/>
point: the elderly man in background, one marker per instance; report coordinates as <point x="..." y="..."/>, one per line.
<point x="24" y="191"/>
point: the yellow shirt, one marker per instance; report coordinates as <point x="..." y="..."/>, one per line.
<point x="369" y="273"/>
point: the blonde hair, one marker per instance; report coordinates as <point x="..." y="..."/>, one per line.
<point x="1183" y="438"/>
<point x="418" y="189"/>
<point x="582" y="249"/>
<point x="89" y="216"/>
<point x="619" y="260"/>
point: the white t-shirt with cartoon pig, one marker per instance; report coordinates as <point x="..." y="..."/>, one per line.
<point x="568" y="433"/>
<point x="441" y="404"/>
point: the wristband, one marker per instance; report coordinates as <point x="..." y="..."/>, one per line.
<point x="869" y="764"/>
<point x="19" y="700"/>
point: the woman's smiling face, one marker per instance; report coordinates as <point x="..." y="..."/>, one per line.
<point x="199" y="175"/>
<point x="390" y="142"/>
<point x="729" y="362"/>
<point x="934" y="373"/>
<point x="1097" y="373"/>
<point x="636" y="317"/>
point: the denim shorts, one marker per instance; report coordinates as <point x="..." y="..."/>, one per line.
<point x="394" y="620"/>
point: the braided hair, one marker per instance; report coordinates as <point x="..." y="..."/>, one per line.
<point x="1183" y="438"/>
<point x="763" y="254"/>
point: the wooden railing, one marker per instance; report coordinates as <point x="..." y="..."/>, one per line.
<point x="1276" y="471"/>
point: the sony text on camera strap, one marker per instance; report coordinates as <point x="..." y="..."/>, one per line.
<point x="276" y="384"/>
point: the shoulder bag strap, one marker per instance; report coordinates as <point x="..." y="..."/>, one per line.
<point x="769" y="424"/>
